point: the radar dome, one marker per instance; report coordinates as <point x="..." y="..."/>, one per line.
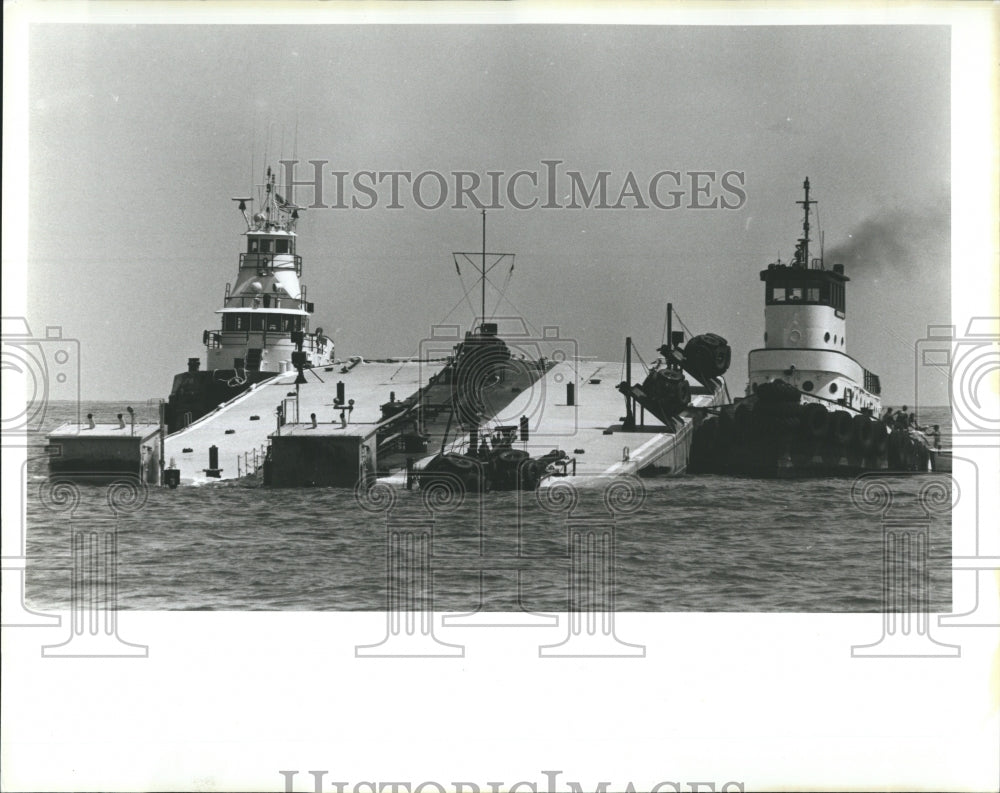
<point x="260" y="217"/>
<point x="257" y="286"/>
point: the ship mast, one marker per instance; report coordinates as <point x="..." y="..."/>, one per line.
<point x="804" y="242"/>
<point x="478" y="261"/>
<point x="483" y="273"/>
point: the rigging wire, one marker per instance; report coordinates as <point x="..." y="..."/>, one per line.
<point x="465" y="296"/>
<point x="681" y="323"/>
<point x="503" y="289"/>
<point x="637" y="355"/>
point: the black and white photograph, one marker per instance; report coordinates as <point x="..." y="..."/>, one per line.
<point x="500" y="397"/>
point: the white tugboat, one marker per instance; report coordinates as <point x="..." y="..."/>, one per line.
<point x="810" y="408"/>
<point x="264" y="316"/>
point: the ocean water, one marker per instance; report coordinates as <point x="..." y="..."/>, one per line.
<point x="694" y="543"/>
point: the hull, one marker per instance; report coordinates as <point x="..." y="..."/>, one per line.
<point x="789" y="440"/>
<point x="196" y="394"/>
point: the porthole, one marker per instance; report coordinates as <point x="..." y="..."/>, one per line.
<point x="842" y="340"/>
<point x="765" y="337"/>
<point x="826" y="336"/>
<point x="807" y="385"/>
<point x="833" y="388"/>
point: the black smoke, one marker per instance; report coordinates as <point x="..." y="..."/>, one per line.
<point x="896" y="240"/>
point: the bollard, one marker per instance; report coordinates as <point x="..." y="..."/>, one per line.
<point x="340" y="392"/>
<point x="213" y="457"/>
<point x="570" y="394"/>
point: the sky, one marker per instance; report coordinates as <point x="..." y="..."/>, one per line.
<point x="139" y="135"/>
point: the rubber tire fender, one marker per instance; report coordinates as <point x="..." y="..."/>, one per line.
<point x="841" y="427"/>
<point x="815" y="420"/>
<point x="863" y="433"/>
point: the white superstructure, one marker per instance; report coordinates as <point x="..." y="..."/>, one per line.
<point x="267" y="304"/>
<point x="805" y="338"/>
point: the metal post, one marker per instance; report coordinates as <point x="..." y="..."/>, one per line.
<point x="163" y="432"/>
<point x="629" y="411"/>
<point x="670" y="328"/>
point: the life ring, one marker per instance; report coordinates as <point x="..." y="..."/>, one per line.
<point x="863" y="432"/>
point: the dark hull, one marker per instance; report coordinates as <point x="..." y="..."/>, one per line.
<point x="781" y="442"/>
<point x="195" y="394"/>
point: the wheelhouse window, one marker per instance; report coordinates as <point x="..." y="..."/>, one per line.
<point x="808" y="291"/>
<point x="233" y="322"/>
<point x="281" y="246"/>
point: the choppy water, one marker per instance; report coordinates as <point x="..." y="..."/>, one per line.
<point x="699" y="543"/>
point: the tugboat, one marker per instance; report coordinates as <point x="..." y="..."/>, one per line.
<point x="810" y="408"/>
<point x="480" y="381"/>
<point x="265" y="317"/>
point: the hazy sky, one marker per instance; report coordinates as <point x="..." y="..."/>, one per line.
<point x="139" y="136"/>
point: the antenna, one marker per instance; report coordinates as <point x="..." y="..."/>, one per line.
<point x="243" y="209"/>
<point x="295" y="159"/>
<point x="805" y="223"/>
<point x="482" y="268"/>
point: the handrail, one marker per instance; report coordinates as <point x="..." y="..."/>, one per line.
<point x="275" y="301"/>
<point x="265" y="262"/>
<point x="212" y="339"/>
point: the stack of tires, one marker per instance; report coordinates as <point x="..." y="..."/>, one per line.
<point x="712" y="442"/>
<point x="509" y="469"/>
<point x="773" y="416"/>
<point x="707" y="356"/>
<point x="455" y="470"/>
